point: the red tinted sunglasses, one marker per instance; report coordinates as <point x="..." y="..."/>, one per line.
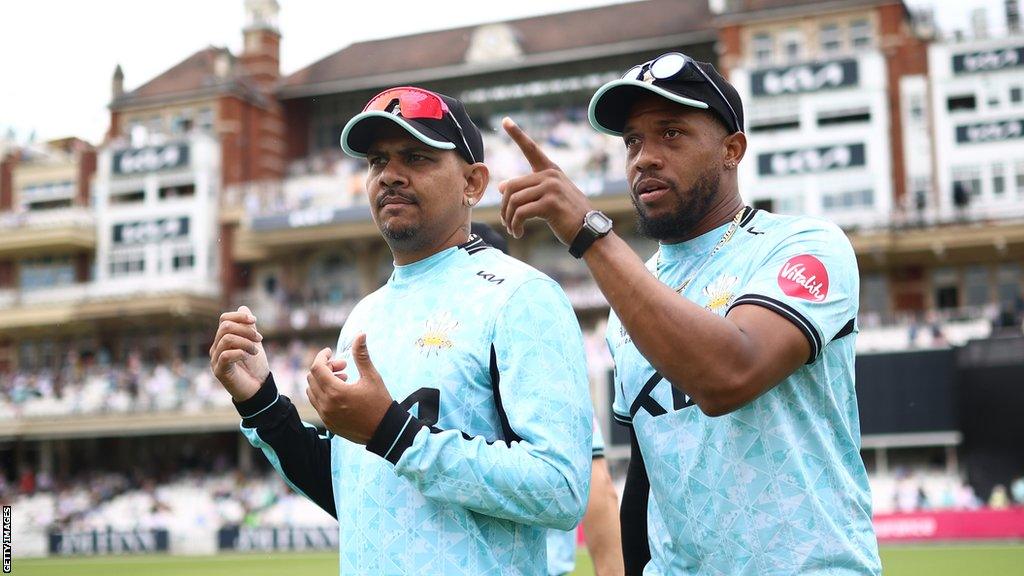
<point x="416" y="103"/>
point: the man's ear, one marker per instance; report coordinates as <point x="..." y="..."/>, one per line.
<point x="735" y="147"/>
<point x="477" y="177"/>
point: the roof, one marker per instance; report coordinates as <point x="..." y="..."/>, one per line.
<point x="194" y="76"/>
<point x="747" y="10"/>
<point x="597" y="28"/>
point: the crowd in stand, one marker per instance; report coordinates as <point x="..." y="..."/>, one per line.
<point x="130" y="386"/>
<point x="185" y="502"/>
<point x="923" y="490"/>
<point x="217" y="496"/>
<point x="330" y="180"/>
<point x="135" y="386"/>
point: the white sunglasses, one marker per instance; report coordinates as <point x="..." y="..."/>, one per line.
<point x="668" y="66"/>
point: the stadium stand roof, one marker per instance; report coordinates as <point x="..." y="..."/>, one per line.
<point x="548" y="39"/>
<point x="748" y="10"/>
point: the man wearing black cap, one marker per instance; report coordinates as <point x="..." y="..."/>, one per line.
<point x="733" y="344"/>
<point x="489" y="441"/>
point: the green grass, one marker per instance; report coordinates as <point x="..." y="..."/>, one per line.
<point x="945" y="560"/>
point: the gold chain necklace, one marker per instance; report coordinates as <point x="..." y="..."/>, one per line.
<point x="722" y="242"/>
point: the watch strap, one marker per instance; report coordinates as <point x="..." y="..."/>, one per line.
<point x="584" y="239"/>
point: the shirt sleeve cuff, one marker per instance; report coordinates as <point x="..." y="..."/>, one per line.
<point x="394" y="434"/>
<point x="261" y="403"/>
<point x="789" y="313"/>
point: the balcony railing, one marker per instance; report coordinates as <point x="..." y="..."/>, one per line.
<point x="56" y="218"/>
<point x="112" y="289"/>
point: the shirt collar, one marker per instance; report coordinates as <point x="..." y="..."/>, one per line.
<point x="422" y="269"/>
<point x="694" y="247"/>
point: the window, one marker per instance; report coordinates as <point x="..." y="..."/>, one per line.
<point x="998" y="179"/>
<point x="47" y="195"/>
<point x="860" y="33"/>
<point x="768" y="125"/>
<point x="762" y="48"/>
<point x="829" y="37"/>
<point x="181" y="123"/>
<point x="966" y="185"/>
<point x="1016" y="95"/>
<point x="765" y="204"/>
<point x="183" y="258"/>
<point x="834" y="117"/>
<point x="204" y="120"/>
<point x="270" y="285"/>
<point x="127" y="262"/>
<point x="790" y="205"/>
<point x="131" y="197"/>
<point x="916" y="107"/>
<point x="1019" y="178"/>
<point x="993" y="100"/>
<point x="919" y="188"/>
<point x="792" y="45"/>
<point x="46" y="272"/>
<point x="848" y="200"/>
<point x="1008" y="285"/>
<point x="155" y="125"/>
<point x="947" y="294"/>
<point x="965" y="102"/>
<point x="182" y="191"/>
<point x="976" y="286"/>
<point x="874" y="293"/>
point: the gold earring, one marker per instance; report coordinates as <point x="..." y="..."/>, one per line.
<point x="467" y="201"/>
<point x="730" y="165"/>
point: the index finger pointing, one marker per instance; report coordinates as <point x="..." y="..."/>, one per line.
<point x="534" y="155"/>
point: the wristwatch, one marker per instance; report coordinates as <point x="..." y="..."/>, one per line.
<point x="595" y="225"/>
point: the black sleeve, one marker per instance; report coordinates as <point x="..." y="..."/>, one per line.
<point x="303" y="455"/>
<point x="636" y="550"/>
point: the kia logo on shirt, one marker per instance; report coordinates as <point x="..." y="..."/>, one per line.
<point x="804" y="277"/>
<point x="804" y="78"/>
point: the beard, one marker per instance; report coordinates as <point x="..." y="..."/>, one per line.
<point x="692" y="206"/>
<point x="397" y="234"/>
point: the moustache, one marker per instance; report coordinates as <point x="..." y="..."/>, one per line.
<point x="648" y="178"/>
<point x="389" y="195"/>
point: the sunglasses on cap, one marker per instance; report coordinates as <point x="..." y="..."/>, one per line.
<point x="671" y="65"/>
<point x="415" y="104"/>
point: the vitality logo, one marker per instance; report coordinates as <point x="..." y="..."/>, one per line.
<point x="804" y="277"/>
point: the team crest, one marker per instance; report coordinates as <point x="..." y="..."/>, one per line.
<point x="437" y="334"/>
<point x="720" y="293"/>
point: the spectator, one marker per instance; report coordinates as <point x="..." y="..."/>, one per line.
<point x="999" y="500"/>
<point x="1017" y="490"/>
<point x="966" y="498"/>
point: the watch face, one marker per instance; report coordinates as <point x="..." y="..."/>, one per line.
<point x="599" y="223"/>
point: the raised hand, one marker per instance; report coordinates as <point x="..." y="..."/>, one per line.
<point x="237" y="356"/>
<point x="352" y="411"/>
<point x="545" y="193"/>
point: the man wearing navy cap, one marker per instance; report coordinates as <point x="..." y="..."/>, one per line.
<point x="733" y="344"/>
<point x="470" y="431"/>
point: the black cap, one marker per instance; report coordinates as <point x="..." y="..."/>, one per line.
<point x="611" y="104"/>
<point x="444" y="133"/>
